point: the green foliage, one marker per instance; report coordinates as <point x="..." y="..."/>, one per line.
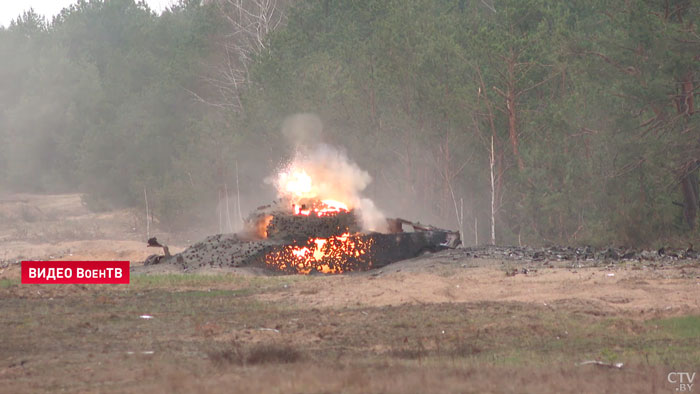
<point x="98" y="100"/>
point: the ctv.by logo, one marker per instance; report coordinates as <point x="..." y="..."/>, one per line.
<point x="684" y="380"/>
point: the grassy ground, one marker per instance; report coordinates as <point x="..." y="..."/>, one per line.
<point x="219" y="333"/>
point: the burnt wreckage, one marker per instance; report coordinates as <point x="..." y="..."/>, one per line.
<point x="309" y="237"/>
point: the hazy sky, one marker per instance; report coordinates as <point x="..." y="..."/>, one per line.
<point x="10" y="9"/>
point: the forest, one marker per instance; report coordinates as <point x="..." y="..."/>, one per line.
<point x="574" y="121"/>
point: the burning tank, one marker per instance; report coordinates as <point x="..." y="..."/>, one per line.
<point x="318" y="224"/>
<point x="311" y="237"/>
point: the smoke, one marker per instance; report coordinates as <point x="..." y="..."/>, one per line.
<point x="321" y="171"/>
<point x="302" y="130"/>
<point x="371" y="217"/>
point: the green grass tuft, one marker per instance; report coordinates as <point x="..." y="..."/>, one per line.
<point x="7" y="283"/>
<point x="681" y="327"/>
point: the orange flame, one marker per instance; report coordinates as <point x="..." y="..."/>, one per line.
<point x="299" y="187"/>
<point x="261" y="226"/>
<point x="324" y="208"/>
<point x="332" y="255"/>
<point x="298" y="184"/>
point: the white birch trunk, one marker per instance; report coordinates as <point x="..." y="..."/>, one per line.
<point x="493" y="198"/>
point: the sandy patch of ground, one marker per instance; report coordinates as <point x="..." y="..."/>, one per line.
<point x="604" y="290"/>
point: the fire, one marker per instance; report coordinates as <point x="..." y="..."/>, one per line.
<point x="324" y="208"/>
<point x="261" y="227"/>
<point x="332" y="255"/>
<point x="318" y="191"/>
<point x="298" y="184"/>
<point x="306" y="196"/>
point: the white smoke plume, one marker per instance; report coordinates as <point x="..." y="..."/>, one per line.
<point x="321" y="171"/>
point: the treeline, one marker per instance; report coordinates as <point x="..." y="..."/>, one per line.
<point x="98" y="100"/>
<point x="585" y="110"/>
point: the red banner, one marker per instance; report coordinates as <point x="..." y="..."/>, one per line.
<point x="84" y="272"/>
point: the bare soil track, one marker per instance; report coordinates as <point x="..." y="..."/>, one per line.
<point x="437" y="323"/>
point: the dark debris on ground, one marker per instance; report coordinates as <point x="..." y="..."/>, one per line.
<point x="581" y="255"/>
